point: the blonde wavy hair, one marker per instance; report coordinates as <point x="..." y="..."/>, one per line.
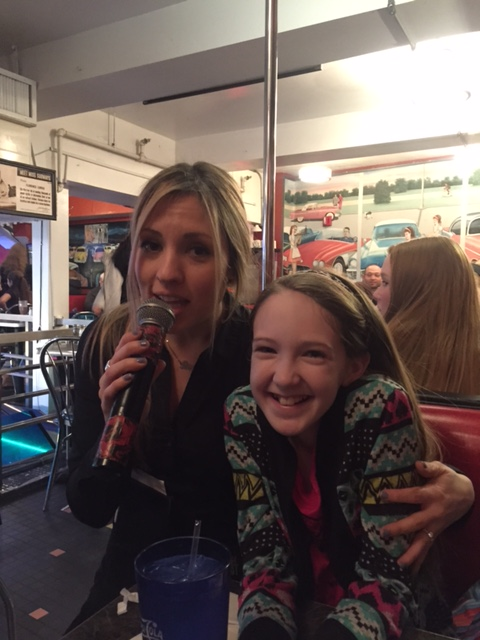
<point x="434" y="315"/>
<point x="218" y="192"/>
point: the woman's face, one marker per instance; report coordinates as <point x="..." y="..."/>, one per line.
<point x="175" y="262"/>
<point x="383" y="293"/>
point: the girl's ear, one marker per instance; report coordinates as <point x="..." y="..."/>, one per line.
<point x="355" y="368"/>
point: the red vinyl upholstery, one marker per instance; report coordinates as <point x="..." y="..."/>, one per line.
<point x="459" y="430"/>
<point x="76" y="302"/>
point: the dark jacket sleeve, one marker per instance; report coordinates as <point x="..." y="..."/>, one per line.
<point x="93" y="494"/>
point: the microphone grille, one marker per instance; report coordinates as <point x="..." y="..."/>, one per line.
<point x="155" y="311"/>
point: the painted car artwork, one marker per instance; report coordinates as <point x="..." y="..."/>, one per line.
<point x="98" y="253"/>
<point x="316" y="211"/>
<point x="328" y="247"/>
<point x="80" y="255"/>
<point x="472" y="238"/>
<point x="384" y="235"/>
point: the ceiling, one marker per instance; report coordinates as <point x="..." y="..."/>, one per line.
<point x="97" y="54"/>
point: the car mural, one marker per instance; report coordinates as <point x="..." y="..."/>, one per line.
<point x="98" y="253"/>
<point x="81" y="255"/>
<point x="110" y="248"/>
<point x="326" y="248"/>
<point x="384" y="235"/>
<point x="472" y="238"/>
<point x="315" y="211"/>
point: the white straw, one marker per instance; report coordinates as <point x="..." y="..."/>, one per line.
<point x="194" y="549"/>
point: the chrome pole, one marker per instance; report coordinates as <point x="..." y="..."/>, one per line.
<point x="269" y="142"/>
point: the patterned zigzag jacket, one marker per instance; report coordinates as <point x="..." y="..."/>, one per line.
<point x="375" y="449"/>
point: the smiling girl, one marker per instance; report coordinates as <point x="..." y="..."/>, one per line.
<point x="328" y="423"/>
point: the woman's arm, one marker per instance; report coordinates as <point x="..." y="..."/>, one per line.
<point x="4" y="299"/>
<point x="444" y="499"/>
<point x="94" y="493"/>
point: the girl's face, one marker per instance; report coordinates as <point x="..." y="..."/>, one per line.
<point x="298" y="364"/>
<point x="382" y="294"/>
<point x="175" y="262"/>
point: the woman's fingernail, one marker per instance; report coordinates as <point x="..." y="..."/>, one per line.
<point x="402" y="565"/>
<point x="424" y="465"/>
<point x="144" y="343"/>
<point x="385" y="536"/>
<point x="128" y="377"/>
<point x="383" y="496"/>
<point x="141" y="360"/>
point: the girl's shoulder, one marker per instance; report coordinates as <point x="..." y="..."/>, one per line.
<point x="375" y="381"/>
<point x="241" y="406"/>
<point x="368" y="395"/>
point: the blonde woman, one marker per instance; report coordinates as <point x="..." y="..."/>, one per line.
<point x="429" y="299"/>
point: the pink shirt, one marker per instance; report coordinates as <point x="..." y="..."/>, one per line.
<point x="309" y="503"/>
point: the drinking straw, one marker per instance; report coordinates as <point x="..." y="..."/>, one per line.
<point x="194" y="548"/>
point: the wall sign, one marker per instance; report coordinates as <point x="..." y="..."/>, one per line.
<point x="26" y="190"/>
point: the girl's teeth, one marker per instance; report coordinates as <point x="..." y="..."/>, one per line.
<point x="288" y="402"/>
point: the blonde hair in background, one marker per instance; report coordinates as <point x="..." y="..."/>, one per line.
<point x="218" y="192"/>
<point x="434" y="314"/>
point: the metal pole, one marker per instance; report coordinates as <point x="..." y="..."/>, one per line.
<point x="269" y="146"/>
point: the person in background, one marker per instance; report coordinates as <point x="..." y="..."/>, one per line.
<point x="114" y="290"/>
<point x="15" y="260"/>
<point x="347" y="234"/>
<point x="294" y="238"/>
<point x="437" y="225"/>
<point x="17" y="289"/>
<point x="190" y="248"/>
<point x="408" y="234"/>
<point x="328" y="421"/>
<point x="371" y="280"/>
<point x="91" y="295"/>
<point x="428" y="297"/>
<point x="328" y="218"/>
<point x="75" y="279"/>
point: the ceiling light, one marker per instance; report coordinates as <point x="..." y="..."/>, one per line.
<point x="315" y="174"/>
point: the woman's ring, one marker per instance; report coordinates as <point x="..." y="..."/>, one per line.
<point x="107" y="365"/>
<point x="430" y="535"/>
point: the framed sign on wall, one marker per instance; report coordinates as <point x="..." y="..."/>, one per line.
<point x="26" y="190"/>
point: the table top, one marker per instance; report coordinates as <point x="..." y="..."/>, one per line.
<point x="107" y="624"/>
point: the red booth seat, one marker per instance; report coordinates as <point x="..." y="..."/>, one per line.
<point x="76" y="302"/>
<point x="458" y="428"/>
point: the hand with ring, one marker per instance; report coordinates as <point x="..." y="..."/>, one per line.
<point x="443" y="499"/>
<point x="128" y="358"/>
<point x="429" y="534"/>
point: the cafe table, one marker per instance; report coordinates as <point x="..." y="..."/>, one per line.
<point x="106" y="624"/>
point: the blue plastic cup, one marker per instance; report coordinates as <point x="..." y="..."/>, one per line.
<point x="178" y="604"/>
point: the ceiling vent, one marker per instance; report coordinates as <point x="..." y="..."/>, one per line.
<point x="18" y="99"/>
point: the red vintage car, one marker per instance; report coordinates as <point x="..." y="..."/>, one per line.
<point x="316" y="211"/>
<point x="331" y="248"/>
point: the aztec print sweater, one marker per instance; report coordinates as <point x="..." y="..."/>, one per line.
<point x="366" y="442"/>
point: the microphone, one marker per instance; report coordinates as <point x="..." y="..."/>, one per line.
<point x="155" y="318"/>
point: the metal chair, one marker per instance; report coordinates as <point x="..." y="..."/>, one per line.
<point x="57" y="363"/>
